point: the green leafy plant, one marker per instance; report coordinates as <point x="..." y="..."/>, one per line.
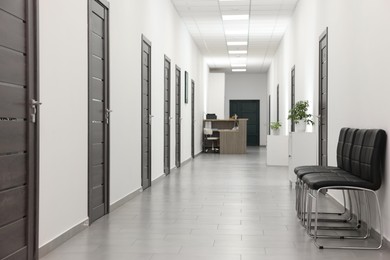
<point x="276" y="125"/>
<point x="299" y="112"/>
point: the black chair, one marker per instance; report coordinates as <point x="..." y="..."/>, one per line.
<point x="344" y="145"/>
<point x="361" y="173"/>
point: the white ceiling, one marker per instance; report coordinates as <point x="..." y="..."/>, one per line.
<point x="268" y="20"/>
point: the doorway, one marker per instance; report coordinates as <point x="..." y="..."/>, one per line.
<point x="248" y="109"/>
<point x="146" y="169"/>
<point x="323" y="99"/>
<point x="167" y="115"/>
<point x="19" y="126"/>
<point x="99" y="111"/>
<point x="178" y="116"/>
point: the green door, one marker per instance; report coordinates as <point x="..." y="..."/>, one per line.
<point x="249" y="109"/>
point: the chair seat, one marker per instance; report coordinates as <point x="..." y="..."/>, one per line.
<point x="320" y="180"/>
<point x="303" y="170"/>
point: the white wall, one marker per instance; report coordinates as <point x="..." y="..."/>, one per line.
<point x="216" y="94"/>
<point x="63" y="91"/>
<point x="64" y="116"/>
<point x="358" y="69"/>
<point x="239" y="86"/>
<point x="160" y="23"/>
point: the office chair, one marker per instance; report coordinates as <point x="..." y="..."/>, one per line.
<point x="208" y="133"/>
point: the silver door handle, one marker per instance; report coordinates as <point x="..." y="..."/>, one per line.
<point x="108" y="111"/>
<point x="35" y="102"/>
<point x="170" y="118"/>
<point x="33" y="115"/>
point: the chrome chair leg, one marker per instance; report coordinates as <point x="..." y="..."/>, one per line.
<point x="315" y="235"/>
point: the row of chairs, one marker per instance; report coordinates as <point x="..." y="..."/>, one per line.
<point x="360" y="157"/>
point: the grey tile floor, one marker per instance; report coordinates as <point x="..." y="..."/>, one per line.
<point x="216" y="207"/>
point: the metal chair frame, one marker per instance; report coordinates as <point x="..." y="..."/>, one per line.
<point x="314" y="195"/>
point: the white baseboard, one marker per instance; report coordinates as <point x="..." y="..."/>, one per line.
<point x="56" y="242"/>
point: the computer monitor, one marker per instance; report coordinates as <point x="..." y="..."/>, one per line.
<point x="211" y="116"/>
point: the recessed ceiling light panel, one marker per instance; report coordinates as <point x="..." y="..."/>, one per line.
<point x="241" y="17"/>
<point x="238" y="52"/>
<point x="238" y="70"/>
<point x="238" y="65"/>
<point x="237" y="43"/>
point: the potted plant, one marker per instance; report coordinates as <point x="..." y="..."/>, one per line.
<point x="298" y="114"/>
<point x="275" y="127"/>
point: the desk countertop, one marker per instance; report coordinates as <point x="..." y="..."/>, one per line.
<point x="224" y="120"/>
<point x="227" y="130"/>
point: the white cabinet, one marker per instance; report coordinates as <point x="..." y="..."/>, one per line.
<point x="277" y="150"/>
<point x="302" y="151"/>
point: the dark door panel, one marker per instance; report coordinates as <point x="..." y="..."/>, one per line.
<point x="292" y="95"/>
<point x="13" y="171"/>
<point x="178" y="116"/>
<point x="13" y="36"/>
<point x="15" y="7"/>
<point x="14" y="70"/>
<point x="192" y="119"/>
<point x="99" y="112"/>
<point x="323" y="99"/>
<point x="146" y="174"/>
<point x="12" y="101"/>
<point x="167" y="115"/>
<point x="19" y="117"/>
<point x="249" y="109"/>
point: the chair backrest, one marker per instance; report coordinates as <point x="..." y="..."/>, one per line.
<point x="340" y="146"/>
<point x="372" y="156"/>
<point x="357" y="151"/>
<point x="347" y="149"/>
<point x="207" y="131"/>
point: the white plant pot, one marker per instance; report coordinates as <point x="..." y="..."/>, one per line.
<point x="300" y="126"/>
<point x="275" y="131"/>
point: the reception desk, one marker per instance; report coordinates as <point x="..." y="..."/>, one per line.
<point x="232" y="135"/>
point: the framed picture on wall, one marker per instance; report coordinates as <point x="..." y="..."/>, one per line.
<point x="186" y="87"/>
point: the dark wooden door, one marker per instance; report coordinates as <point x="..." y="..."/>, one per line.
<point x="167" y="115"/>
<point x="99" y="111"/>
<point x="323" y="99"/>
<point x="249" y="109"/>
<point x="193" y="119"/>
<point x="178" y="116"/>
<point x="146" y="113"/>
<point x="18" y="130"/>
<point x="292" y="95"/>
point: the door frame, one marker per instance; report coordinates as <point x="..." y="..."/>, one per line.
<point x="324" y="36"/>
<point x="167" y="168"/>
<point x="192" y="118"/>
<point x="178" y="118"/>
<point x="32" y="49"/>
<point x="292" y="75"/>
<point x="106" y="174"/>
<point x="149" y="173"/>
